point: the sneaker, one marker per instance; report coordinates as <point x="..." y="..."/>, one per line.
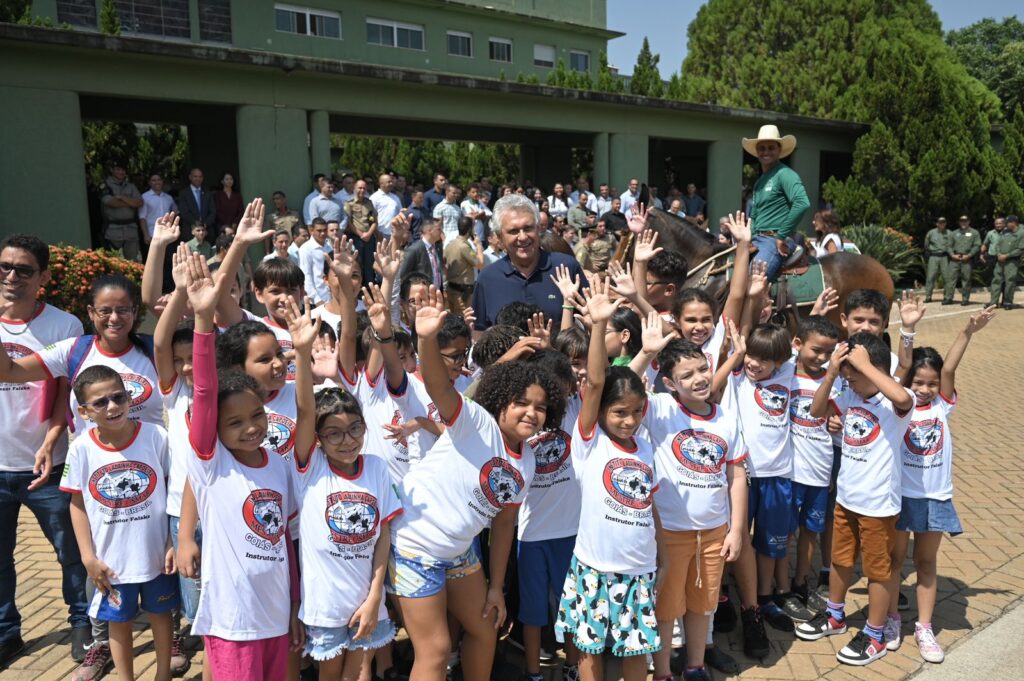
<point x="716" y="658"/>
<point x="820" y="626"/>
<point x="893" y="634"/>
<point x="570" y="673"/>
<point x="755" y="640"/>
<point x="650" y="663"/>
<point x="10" y="649"/>
<point x="862" y="650"/>
<point x="794" y="607"/>
<point x="725" y="616"/>
<point x="696" y="675"/>
<point x="527" y="676"/>
<point x="180" y="662"/>
<point x="817" y="600"/>
<point x="81" y="639"/>
<point x="96" y="663"/>
<point x="677" y="633"/>
<point x="546" y="655"/>
<point x="773" y="615"/>
<point x="930" y="649"/>
<point x="903" y="603"/>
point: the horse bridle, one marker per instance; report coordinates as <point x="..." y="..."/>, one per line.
<point x="713" y="270"/>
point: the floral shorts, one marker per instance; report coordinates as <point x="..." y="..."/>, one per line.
<point x="608" y="610"/>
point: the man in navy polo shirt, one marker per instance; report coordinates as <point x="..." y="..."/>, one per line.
<point x="524" y="274"/>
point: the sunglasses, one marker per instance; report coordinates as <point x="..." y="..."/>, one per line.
<point x="99" y="404"/>
<point x="20" y="271"/>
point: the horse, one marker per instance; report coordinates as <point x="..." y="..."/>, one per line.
<point x="707" y="265"/>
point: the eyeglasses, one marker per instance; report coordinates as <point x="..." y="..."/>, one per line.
<point x="460" y="358"/>
<point x="657" y="283"/>
<point x="335" y="436"/>
<point x="119" y="399"/>
<point x="104" y="312"/>
<point x="20" y="271"/>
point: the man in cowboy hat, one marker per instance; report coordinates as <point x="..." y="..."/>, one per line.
<point x="779" y="201"/>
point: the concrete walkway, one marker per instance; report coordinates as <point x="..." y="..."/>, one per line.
<point x="990" y="654"/>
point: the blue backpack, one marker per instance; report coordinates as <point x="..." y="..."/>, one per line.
<point x="80" y="349"/>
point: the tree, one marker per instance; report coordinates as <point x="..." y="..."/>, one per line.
<point x="1013" y="147"/>
<point x="606" y="80"/>
<point x="109" y="22"/>
<point x="993" y="52"/>
<point x="646" y="79"/>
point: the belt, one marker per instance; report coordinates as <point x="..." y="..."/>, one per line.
<point x="455" y="286"/>
<point x="770" y="232"/>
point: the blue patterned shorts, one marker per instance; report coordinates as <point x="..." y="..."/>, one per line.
<point x="608" y="610"/>
<point x="326" y="643"/>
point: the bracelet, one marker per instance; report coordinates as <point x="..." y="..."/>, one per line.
<point x="382" y="341"/>
<point x="568" y="307"/>
<point x="907" y="334"/>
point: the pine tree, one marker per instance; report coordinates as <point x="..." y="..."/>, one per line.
<point x="646" y="79"/>
<point x="1013" y="148"/>
<point x="606" y="80"/>
<point x="109" y="22"/>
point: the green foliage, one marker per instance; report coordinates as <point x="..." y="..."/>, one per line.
<point x="1013" y="146"/>
<point x="155" y="149"/>
<point x="501" y="76"/>
<point x="993" y="52"/>
<point x="532" y="79"/>
<point x="606" y="80"/>
<point x="559" y="76"/>
<point x="109" y="22"/>
<point x="646" y="79"/>
<point x="520" y="78"/>
<point x="15" y="11"/>
<point x="894" y="250"/>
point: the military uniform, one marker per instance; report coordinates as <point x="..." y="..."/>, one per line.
<point x="122" y="226"/>
<point x="936" y="250"/>
<point x="962" y="242"/>
<point x="1004" y="274"/>
<point x="601" y="252"/>
<point x="362" y="216"/>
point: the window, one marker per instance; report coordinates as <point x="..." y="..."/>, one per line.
<point x="394" y="34"/>
<point x="215" y="20"/>
<point x="579" y="61"/>
<point x="460" y="44"/>
<point x="165" y="18"/>
<point x="306" y="21"/>
<point x="544" y="55"/>
<point x="77" y="12"/>
<point x="501" y="50"/>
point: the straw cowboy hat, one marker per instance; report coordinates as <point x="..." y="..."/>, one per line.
<point x="770" y="133"/>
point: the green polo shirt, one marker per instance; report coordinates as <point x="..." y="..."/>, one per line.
<point x="936" y="242"/>
<point x="780" y="201"/>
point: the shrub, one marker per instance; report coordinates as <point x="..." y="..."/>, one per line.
<point x="72" y="271"/>
<point x="895" y="250"/>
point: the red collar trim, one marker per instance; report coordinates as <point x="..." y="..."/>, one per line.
<point x="341" y="473"/>
<point x="96" y="440"/>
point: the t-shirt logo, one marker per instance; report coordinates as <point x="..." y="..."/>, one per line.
<point x="280" y="433"/>
<point x="771" y="398"/>
<point x="629" y="482"/>
<point x="351" y="517"/>
<point x="16" y="350"/>
<point x="139" y="388"/>
<point x="400" y="443"/>
<point x="550" y="448"/>
<point x="500" y="482"/>
<point x="263" y="515"/>
<point x="924" y="438"/>
<point x="699" y="451"/>
<point x="861" y="427"/>
<point x="286" y="346"/>
<point x="122" y="484"/>
<point x="800" y="409"/>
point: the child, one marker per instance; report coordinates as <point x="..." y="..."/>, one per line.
<point x="245" y="499"/>
<point x="608" y="595"/>
<point x="116" y="474"/>
<point x="876" y="411"/>
<point x="623" y="337"/>
<point x="573" y="343"/>
<point x="273" y="282"/>
<point x="926" y="454"/>
<point x="701" y="494"/>
<point x="282" y="240"/>
<point x="198" y="242"/>
<point x="347" y="503"/>
<point x="477" y="473"/>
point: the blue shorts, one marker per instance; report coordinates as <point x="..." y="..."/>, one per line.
<point x="810" y="505"/>
<point x="189" y="588"/>
<point x="414" y="576"/>
<point x="542" y="569"/>
<point x="327" y="643"/>
<point x="771" y="510"/>
<point x="121" y="604"/>
<point x="929" y="515"/>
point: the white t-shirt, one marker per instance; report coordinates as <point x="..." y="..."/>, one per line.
<point x="927" y="452"/>
<point x="282" y="413"/>
<point x="126" y="502"/>
<point x="616" y="532"/>
<point x="21" y="404"/>
<point x="869" y="478"/>
<point x="690" y="458"/>
<point x="470" y="476"/>
<point x="178" y="401"/>
<point x="284" y="339"/>
<point x="387" y="206"/>
<point x="809" y="437"/>
<point x="551" y="509"/>
<point x="340" y="519"/>
<point x="379" y="409"/>
<point x="712" y="347"/>
<point x="244" y="512"/>
<point x="136" y="369"/>
<point x="821" y="250"/>
<point x="763" y="408"/>
<point x="415" y="402"/>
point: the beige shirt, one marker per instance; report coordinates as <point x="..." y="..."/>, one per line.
<point x="361" y="215"/>
<point x="460" y="262"/>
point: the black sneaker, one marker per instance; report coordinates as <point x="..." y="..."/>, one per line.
<point x="724" y="620"/>
<point x="696" y="675"/>
<point x="861" y="650"/>
<point x="817" y="600"/>
<point x="81" y="639"/>
<point x="716" y="658"/>
<point x="820" y="626"/>
<point x="10" y="649"/>
<point x="903" y="604"/>
<point x="755" y="639"/>
<point x="773" y="615"/>
<point x="793" y="606"/>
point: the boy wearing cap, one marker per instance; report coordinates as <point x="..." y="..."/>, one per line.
<point x="964" y="245"/>
<point x="936" y="250"/>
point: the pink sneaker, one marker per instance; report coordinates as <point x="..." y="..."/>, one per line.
<point x="930" y="649"/>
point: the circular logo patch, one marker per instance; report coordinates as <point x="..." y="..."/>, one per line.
<point x="122" y="484"/>
<point x="139" y="388"/>
<point x="351" y="517"/>
<point x="772" y="398"/>
<point x="550" y="448"/>
<point x="500" y="482"/>
<point x="16" y="350"/>
<point x="280" y="433"/>
<point x="861" y="427"/>
<point x="699" y="451"/>
<point x="263" y="515"/>
<point x="629" y="482"/>
<point x="800" y="409"/>
<point x="924" y="438"/>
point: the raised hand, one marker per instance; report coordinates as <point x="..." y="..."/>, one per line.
<point x="622" y="280"/>
<point x="378" y="309"/>
<point x="250" y="228"/>
<point x="654" y="341"/>
<point x="979" y="321"/>
<point x="539" y="329"/>
<point x="200" y="287"/>
<point x="166" y="230"/>
<point x="343" y="263"/>
<point x="637" y="218"/>
<point x="739" y="227"/>
<point x="826" y="301"/>
<point x="839" y="355"/>
<point x="567" y="285"/>
<point x="738" y="340"/>
<point x="911" y="309"/>
<point x="302" y="327"/>
<point x="325" y="359"/>
<point x="600" y="306"/>
<point x="387" y="259"/>
<point x="645" y="249"/>
<point x="468" y="316"/>
<point x="430" y="316"/>
<point x="758" y="284"/>
<point x="179" y="266"/>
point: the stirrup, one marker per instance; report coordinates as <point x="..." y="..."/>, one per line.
<point x="794" y="257"/>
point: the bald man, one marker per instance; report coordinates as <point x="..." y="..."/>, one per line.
<point x="386" y="203"/>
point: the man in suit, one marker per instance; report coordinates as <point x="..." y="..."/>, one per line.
<point x="196" y="205"/>
<point x="426" y="255"/>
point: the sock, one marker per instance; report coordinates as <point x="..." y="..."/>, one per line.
<point x="895" y="616"/>
<point x="836" y="610"/>
<point x="874" y="632"/>
<point x="924" y="625"/>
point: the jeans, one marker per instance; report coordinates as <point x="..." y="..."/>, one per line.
<point x="189" y="588"/>
<point x="768" y="252"/>
<point x="50" y="507"/>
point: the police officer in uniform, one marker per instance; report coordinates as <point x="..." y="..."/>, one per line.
<point x="1005" y="257"/>
<point x="964" y="246"/>
<point x="120" y="202"/>
<point x="936" y="250"/>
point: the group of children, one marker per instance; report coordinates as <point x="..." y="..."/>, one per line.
<point x="324" y="475"/>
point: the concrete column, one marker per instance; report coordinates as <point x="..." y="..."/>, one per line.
<point x="627" y="158"/>
<point x="602" y="168"/>
<point x="320" y="142"/>
<point x="41" y="135"/>
<point x="272" y="152"/>
<point x="725" y="179"/>
<point x="806" y="161"/>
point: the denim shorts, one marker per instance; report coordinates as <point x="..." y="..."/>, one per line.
<point x="771" y="510"/>
<point x="414" y="576"/>
<point x="121" y="603"/>
<point x="189" y="588"/>
<point x="929" y="515"/>
<point x="326" y="643"/>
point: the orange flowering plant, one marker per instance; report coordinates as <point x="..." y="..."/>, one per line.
<point x="72" y="271"/>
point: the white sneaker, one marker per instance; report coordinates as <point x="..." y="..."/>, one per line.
<point x="893" y="634"/>
<point x="930" y="649"/>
